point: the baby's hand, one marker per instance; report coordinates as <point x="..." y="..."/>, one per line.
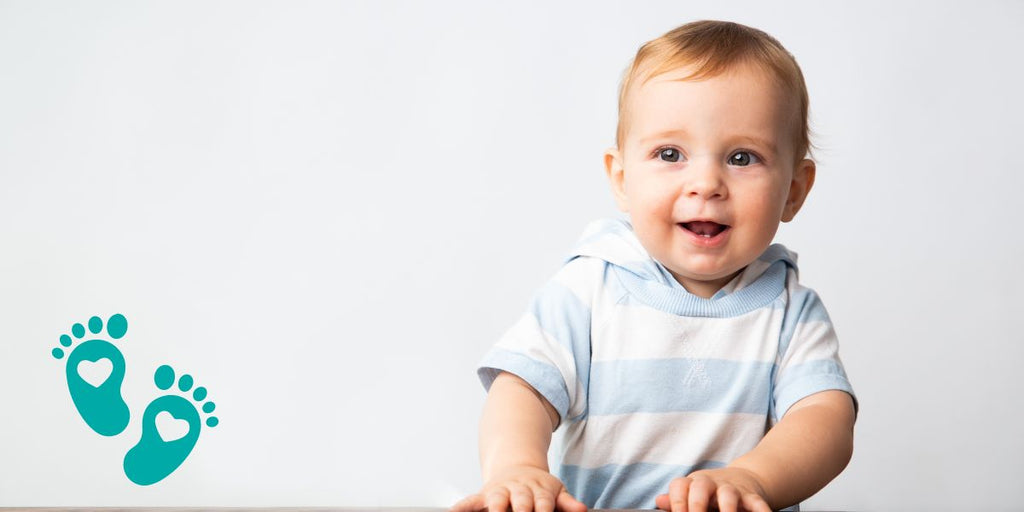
<point x="525" y="489"/>
<point x="726" y="489"/>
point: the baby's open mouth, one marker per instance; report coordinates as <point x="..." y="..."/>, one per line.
<point x="704" y="228"/>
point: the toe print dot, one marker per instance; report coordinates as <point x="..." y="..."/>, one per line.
<point x="164" y="377"/>
<point x="185" y="383"/>
<point x="208" y="407"/>
<point x="199" y="394"/>
<point x="117" y="326"/>
<point x="65" y="340"/>
<point x="58" y="353"/>
<point x="95" y="325"/>
<point x="212" y="421"/>
<point x="78" y="330"/>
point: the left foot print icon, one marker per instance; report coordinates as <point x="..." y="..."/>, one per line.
<point x="95" y="371"/>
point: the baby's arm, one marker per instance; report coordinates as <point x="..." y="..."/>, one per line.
<point x="808" y="448"/>
<point x="515" y="432"/>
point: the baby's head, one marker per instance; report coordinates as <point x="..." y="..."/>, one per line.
<point x="711" y="149"/>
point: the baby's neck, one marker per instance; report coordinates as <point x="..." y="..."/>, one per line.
<point x="705" y="289"/>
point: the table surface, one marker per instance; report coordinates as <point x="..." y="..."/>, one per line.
<point x="235" y="509"/>
<point x="241" y="509"/>
<point x="226" y="509"/>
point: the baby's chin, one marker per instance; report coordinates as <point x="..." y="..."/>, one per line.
<point x="707" y="270"/>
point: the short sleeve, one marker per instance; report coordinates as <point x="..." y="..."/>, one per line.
<point x="549" y="347"/>
<point x="808" y="360"/>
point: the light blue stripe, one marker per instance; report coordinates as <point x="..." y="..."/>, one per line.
<point x="676" y="385"/>
<point x="614" y="292"/>
<point x="631" y="486"/>
<point x="564" y="317"/>
<point x="802" y="380"/>
<point x="804" y="306"/>
<point x="543" y="377"/>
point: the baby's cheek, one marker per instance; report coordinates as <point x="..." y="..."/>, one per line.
<point x="660" y="199"/>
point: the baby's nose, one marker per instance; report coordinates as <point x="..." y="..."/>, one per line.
<point x="704" y="180"/>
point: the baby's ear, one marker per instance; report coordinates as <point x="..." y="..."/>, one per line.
<point x="799" y="187"/>
<point x="616" y="177"/>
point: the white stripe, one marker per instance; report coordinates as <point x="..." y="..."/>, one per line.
<point x="582" y="276"/>
<point x="528" y="338"/>
<point x="812" y="341"/>
<point x="682" y="438"/>
<point x="638" y="332"/>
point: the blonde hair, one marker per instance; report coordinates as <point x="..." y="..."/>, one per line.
<point x="714" y="47"/>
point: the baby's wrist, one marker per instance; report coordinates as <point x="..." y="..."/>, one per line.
<point x="507" y="471"/>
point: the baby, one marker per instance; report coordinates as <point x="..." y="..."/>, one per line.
<point x="689" y="368"/>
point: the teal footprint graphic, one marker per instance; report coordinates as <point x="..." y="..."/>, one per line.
<point x="161" y="450"/>
<point x="95" y="371"/>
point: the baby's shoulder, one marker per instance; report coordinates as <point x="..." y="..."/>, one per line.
<point x="802" y="302"/>
<point x="582" y="275"/>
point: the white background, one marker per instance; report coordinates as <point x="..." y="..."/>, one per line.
<point x="327" y="212"/>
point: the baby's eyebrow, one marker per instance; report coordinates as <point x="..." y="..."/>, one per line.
<point x="766" y="143"/>
<point x="679" y="133"/>
<point x="667" y="134"/>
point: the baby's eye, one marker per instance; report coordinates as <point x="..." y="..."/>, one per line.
<point x="669" y="154"/>
<point x="743" y="158"/>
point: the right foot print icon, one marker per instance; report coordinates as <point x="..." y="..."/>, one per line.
<point x="170" y="429"/>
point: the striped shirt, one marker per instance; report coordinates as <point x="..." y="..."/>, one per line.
<point x="651" y="382"/>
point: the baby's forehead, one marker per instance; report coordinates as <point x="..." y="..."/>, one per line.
<point x="740" y="86"/>
<point x="751" y="76"/>
<point x="746" y="101"/>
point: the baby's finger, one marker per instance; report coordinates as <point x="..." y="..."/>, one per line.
<point x="755" y="503"/>
<point x="471" y="503"/>
<point x="661" y="501"/>
<point x="700" y="493"/>
<point x="679" y="494"/>
<point x="543" y="500"/>
<point x="520" y="497"/>
<point x="497" y="500"/>
<point x="728" y="498"/>
<point x="567" y="503"/>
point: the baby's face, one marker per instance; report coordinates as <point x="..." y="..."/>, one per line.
<point x="706" y="172"/>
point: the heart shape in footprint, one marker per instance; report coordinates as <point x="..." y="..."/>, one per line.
<point x="169" y="427"/>
<point x="95" y="372"/>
